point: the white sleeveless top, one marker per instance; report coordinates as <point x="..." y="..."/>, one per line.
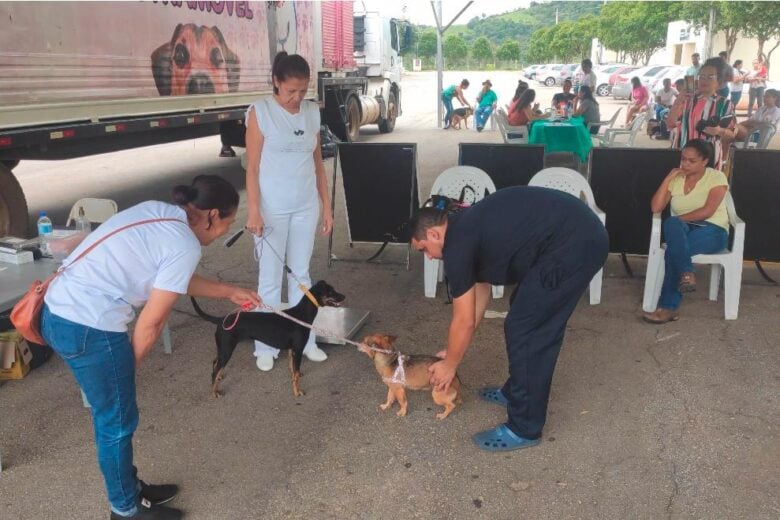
<point x="287" y="177"/>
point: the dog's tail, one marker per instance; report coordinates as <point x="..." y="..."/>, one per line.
<point x="202" y="314"/>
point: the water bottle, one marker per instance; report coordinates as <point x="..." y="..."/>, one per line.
<point x="45" y="233"/>
<point x="83" y="225"/>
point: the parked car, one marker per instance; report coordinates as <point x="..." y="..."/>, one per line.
<point x="566" y="72"/>
<point x="623" y="70"/>
<point x="603" y="72"/>
<point x="622" y="87"/>
<point x="674" y="73"/>
<point x="530" y="71"/>
<point x="548" y="74"/>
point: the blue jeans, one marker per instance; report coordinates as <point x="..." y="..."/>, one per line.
<point x="683" y="240"/>
<point x="660" y="112"/>
<point x="735" y="97"/>
<point x="448" y="107"/>
<point x="482" y="114"/>
<point x="103" y="364"/>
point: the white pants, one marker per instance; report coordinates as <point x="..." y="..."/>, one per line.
<point x="291" y="236"/>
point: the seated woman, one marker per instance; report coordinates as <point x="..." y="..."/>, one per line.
<point x="640" y="98"/>
<point x="521" y="112"/>
<point x="699" y="223"/>
<point x="769" y="113"/>
<point x="588" y="108"/>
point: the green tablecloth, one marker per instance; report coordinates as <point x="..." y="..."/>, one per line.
<point x="569" y="136"/>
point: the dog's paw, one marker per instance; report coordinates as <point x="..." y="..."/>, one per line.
<point x="442" y="415"/>
<point x="401" y="412"/>
<point x="385" y="406"/>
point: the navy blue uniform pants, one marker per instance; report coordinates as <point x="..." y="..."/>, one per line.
<point x="535" y="324"/>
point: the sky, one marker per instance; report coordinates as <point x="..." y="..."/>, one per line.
<point x="420" y="12"/>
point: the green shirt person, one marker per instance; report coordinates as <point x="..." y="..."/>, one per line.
<point x="453" y="91"/>
<point x="487" y="103"/>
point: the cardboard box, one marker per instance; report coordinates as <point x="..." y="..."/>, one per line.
<point x="15" y="356"/>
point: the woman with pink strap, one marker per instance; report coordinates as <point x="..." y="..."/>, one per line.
<point x="89" y="305"/>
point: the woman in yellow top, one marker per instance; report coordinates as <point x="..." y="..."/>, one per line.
<point x="699" y="223"/>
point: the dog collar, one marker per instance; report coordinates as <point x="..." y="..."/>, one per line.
<point x="309" y="295"/>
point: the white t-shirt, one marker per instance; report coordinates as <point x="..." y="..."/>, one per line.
<point x="101" y="289"/>
<point x="589" y="79"/>
<point x="767" y="114"/>
<point x="667" y="98"/>
<point x="287" y="177"/>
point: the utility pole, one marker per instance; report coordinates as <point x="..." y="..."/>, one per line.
<point x="556" y="16"/>
<point x="710" y="35"/>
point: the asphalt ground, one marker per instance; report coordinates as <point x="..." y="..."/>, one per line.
<point x="677" y="421"/>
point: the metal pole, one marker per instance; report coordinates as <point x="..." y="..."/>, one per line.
<point x="439" y="65"/>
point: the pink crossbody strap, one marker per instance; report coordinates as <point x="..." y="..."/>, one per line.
<point x="114" y="232"/>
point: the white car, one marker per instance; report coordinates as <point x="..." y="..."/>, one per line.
<point x="647" y="75"/>
<point x="674" y="73"/>
<point x="548" y="74"/>
<point x="530" y="71"/>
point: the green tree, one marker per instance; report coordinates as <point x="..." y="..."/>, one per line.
<point x="481" y="50"/>
<point x="539" y="47"/>
<point x="455" y="50"/>
<point x="764" y="25"/>
<point x="426" y="46"/>
<point x="730" y="18"/>
<point x="509" y="51"/>
<point x="636" y="28"/>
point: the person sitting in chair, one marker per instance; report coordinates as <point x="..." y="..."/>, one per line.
<point x="563" y="97"/>
<point x="699" y="223"/>
<point x="769" y="113"/>
<point x="487" y="100"/>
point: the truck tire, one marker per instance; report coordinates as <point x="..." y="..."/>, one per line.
<point x="387" y="125"/>
<point x="13" y="206"/>
<point x="353" y="118"/>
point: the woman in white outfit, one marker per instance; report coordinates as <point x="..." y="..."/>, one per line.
<point x="286" y="188"/>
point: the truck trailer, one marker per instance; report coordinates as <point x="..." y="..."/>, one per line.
<point x="84" y="78"/>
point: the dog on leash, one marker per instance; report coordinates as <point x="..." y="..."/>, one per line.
<point x="415" y="375"/>
<point x="272" y="329"/>
<point x="459" y="115"/>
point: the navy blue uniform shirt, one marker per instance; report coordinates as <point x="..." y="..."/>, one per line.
<point x="499" y="239"/>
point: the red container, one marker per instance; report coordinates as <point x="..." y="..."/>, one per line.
<point x="337" y="35"/>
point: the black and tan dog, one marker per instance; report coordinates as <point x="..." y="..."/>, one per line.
<point x="416" y="375"/>
<point x="272" y="329"/>
<point x="460" y="115"/>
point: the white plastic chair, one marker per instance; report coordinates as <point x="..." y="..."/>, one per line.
<point x="766" y="131"/>
<point x="519" y="133"/>
<point x="96" y="210"/>
<point x="728" y="260"/>
<point x="604" y="126"/>
<point x="609" y="139"/>
<point x="450" y="183"/>
<point x="573" y="183"/>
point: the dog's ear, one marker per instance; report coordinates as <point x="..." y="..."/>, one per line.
<point x="390" y="339"/>
<point x="161" y="64"/>
<point x="232" y="62"/>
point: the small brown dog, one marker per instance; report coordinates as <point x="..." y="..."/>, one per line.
<point x="460" y="115"/>
<point x="415" y="375"/>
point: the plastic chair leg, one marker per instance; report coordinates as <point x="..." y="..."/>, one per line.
<point x="84" y="399"/>
<point x="715" y="270"/>
<point x="166" y="337"/>
<point x="595" y="288"/>
<point x="431" y="276"/>
<point x="653" y="280"/>
<point x="733" y="286"/>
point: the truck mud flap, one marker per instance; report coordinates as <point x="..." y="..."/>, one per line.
<point x="335" y="113"/>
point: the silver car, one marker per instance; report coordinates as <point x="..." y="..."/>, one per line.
<point x="647" y="75"/>
<point x="549" y="74"/>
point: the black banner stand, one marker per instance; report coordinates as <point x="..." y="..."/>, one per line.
<point x="381" y="193"/>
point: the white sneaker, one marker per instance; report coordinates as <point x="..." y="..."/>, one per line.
<point x="315" y="353"/>
<point x="265" y="361"/>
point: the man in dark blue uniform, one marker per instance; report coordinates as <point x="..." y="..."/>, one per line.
<point x="547" y="242"/>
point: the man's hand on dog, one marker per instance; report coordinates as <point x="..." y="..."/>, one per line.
<point x="442" y="373"/>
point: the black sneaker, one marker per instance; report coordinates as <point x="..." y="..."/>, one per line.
<point x="160" y="494"/>
<point x="148" y="511"/>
